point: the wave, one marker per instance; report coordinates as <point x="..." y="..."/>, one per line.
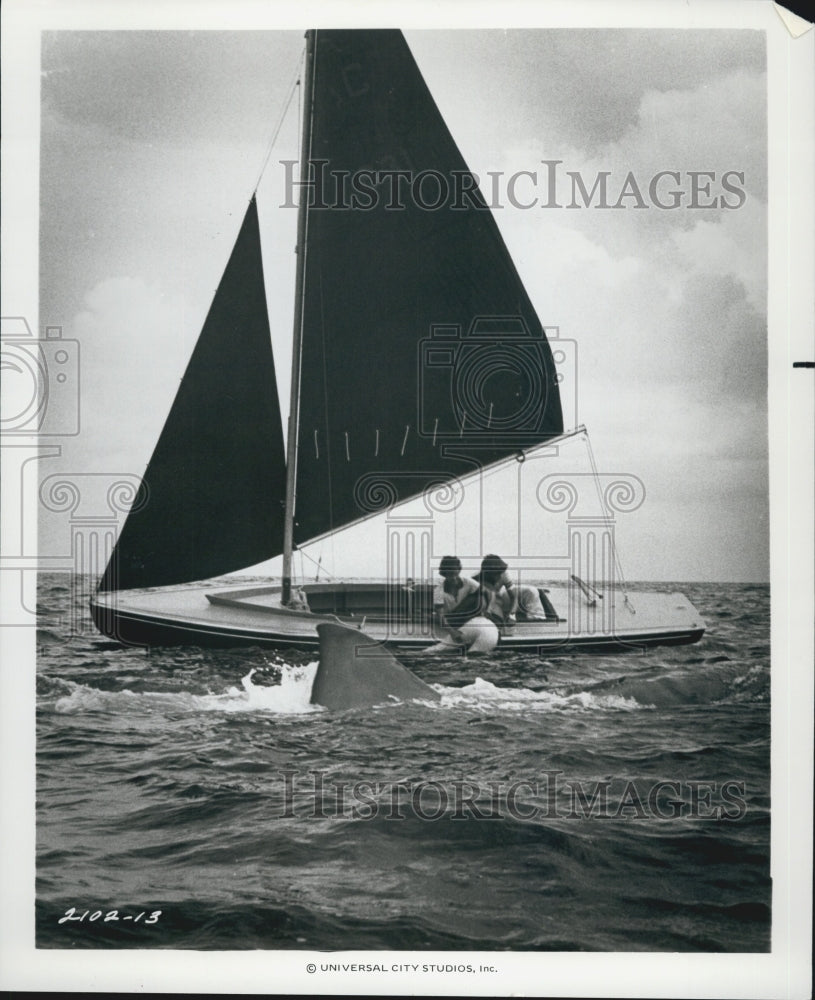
<point x="290" y="693"/>
<point x="695" y="683"/>
<point x="48" y="636"/>
<point x="482" y="694"/>
<point x="290" y="697"/>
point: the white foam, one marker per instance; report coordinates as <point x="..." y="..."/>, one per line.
<point x="290" y="697"/>
<point x="484" y="694"/>
<point x="754" y="671"/>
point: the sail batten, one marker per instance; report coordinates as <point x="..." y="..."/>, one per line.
<point x="423" y="358"/>
<point x="213" y="492"/>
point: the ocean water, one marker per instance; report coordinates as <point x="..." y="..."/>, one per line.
<point x="189" y="798"/>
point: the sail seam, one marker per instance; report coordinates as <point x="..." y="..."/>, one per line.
<point x="488" y="470"/>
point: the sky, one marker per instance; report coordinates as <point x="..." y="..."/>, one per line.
<point x="151" y="145"/>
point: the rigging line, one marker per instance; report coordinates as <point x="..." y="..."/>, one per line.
<point x="608" y="520"/>
<point x="300" y="123"/>
<point x="317" y="563"/>
<point x="294" y="85"/>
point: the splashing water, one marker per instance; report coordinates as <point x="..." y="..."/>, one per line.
<point x="482" y="694"/>
<point x="290" y="697"/>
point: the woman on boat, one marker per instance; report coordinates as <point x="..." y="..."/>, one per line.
<point x="453" y="589"/>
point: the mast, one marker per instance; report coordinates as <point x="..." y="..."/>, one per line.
<point x="297" y="339"/>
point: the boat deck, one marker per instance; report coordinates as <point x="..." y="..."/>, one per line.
<point x="208" y="616"/>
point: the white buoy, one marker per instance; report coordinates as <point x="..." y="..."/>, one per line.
<point x="478" y="635"/>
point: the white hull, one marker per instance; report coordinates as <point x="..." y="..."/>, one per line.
<point x="205" y="615"/>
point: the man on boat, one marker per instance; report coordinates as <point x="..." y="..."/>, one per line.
<point x="497" y="599"/>
<point x="501" y="600"/>
<point x="457" y="604"/>
<point x="473" y="611"/>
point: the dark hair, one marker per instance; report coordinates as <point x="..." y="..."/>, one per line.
<point x="492" y="567"/>
<point x="448" y="564"/>
<point x="493" y="564"/>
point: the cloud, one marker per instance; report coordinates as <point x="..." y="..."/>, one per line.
<point x="668" y="307"/>
<point x="154" y="86"/>
<point x="733" y="246"/>
<point x="719" y="125"/>
<point x="134" y="348"/>
<point x="570" y="88"/>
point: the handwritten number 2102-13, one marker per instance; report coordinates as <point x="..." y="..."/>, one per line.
<point x="107" y="916"/>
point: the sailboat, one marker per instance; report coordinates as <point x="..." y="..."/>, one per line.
<point x="418" y="361"/>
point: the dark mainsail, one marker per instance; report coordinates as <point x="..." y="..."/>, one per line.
<point x="422" y="357"/>
<point x="214" y="487"/>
